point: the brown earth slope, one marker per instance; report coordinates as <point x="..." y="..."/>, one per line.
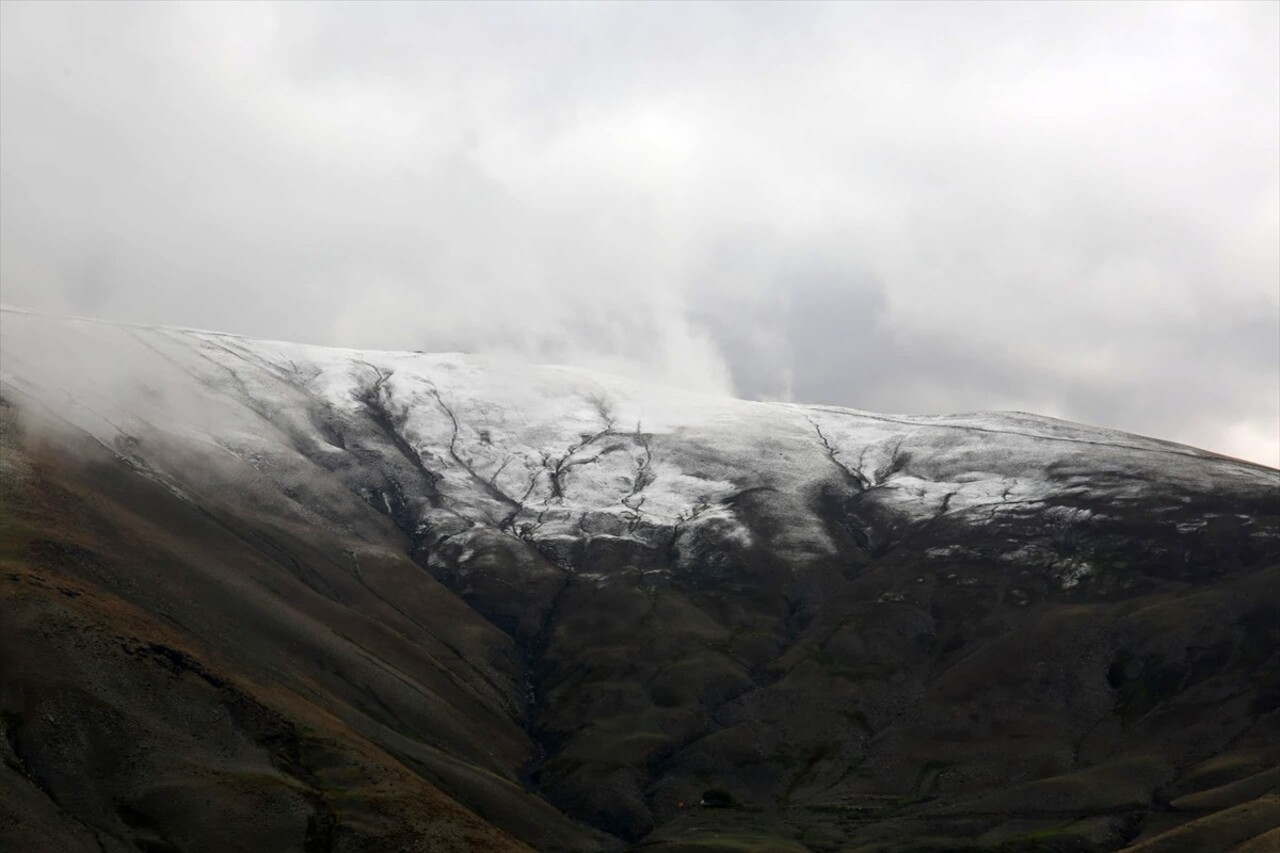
<point x="175" y="677"/>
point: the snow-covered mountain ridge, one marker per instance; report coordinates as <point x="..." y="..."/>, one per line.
<point x="446" y="443"/>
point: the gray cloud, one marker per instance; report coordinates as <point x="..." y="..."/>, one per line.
<point x="1067" y="208"/>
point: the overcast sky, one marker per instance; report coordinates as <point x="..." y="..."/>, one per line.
<point x="1066" y="209"/>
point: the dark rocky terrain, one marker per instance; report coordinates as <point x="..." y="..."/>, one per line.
<point x="260" y="596"/>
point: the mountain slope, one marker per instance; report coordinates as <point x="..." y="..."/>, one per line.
<point x="387" y="599"/>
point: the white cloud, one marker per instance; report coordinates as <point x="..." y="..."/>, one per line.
<point x="1070" y="203"/>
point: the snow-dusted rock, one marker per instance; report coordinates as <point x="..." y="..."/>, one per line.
<point x="556" y="455"/>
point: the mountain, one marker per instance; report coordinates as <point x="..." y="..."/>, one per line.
<point x="267" y="596"/>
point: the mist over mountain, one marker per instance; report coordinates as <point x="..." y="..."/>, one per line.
<point x="929" y="207"/>
<point x="268" y="596"/>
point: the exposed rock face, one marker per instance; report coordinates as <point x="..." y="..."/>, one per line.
<point x="269" y="596"/>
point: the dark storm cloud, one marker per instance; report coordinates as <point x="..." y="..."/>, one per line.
<point x="1064" y="208"/>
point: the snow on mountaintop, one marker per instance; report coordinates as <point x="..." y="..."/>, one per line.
<point x="449" y="442"/>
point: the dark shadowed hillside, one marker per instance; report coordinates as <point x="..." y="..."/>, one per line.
<point x="263" y="596"/>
